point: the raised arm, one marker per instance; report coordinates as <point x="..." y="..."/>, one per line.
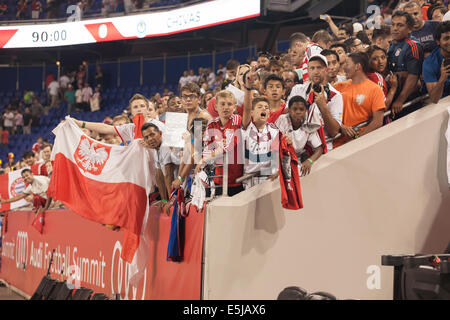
<point x="101" y="128"/>
<point x="334" y="28"/>
<point x="246" y="115"/>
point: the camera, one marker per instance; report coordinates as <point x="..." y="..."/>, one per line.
<point x="317" y="88"/>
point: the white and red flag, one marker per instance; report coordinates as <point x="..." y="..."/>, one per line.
<point x="11" y="185"/>
<point x="106" y="183"/>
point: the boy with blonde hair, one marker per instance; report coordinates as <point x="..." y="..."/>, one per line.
<point x="222" y="134"/>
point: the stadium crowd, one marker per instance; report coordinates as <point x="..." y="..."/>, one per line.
<point x="313" y="96"/>
<point x="58" y="9"/>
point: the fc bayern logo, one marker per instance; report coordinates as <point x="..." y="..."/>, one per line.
<point x="141" y="29"/>
<point x="17" y="187"/>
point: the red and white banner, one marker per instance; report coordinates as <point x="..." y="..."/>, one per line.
<point x="153" y="24"/>
<point x="11" y="185"/>
<point x="105" y="183"/>
<point x="92" y="253"/>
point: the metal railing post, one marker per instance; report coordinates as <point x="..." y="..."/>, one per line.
<point x="225" y="176"/>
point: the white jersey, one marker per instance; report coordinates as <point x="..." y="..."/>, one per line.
<point x="299" y="137"/>
<point x="166" y="155"/>
<point x="335" y="105"/>
<point x="38" y="187"/>
<point x="259" y="147"/>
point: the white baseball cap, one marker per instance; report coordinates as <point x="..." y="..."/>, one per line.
<point x="357" y="27"/>
<point x="321" y="57"/>
<point x="446" y="17"/>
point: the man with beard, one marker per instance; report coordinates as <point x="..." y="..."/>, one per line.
<point x="436" y="67"/>
<point x="327" y="101"/>
<point x="264" y="61"/>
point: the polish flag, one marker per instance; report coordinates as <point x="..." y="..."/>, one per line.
<point x="108" y="184"/>
<point x="11" y="185"/>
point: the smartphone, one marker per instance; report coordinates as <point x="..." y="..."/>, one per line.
<point x="323" y="17"/>
<point x="447" y="62"/>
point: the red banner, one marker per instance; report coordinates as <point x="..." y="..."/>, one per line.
<point x="88" y="252"/>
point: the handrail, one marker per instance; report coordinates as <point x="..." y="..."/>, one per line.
<point x="356" y="127"/>
<point x="387" y="113"/>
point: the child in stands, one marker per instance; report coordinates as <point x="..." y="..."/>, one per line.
<point x="260" y="140"/>
<point x="222" y="134"/>
<point x="299" y="131"/>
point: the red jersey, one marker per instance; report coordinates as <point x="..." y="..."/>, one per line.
<point x="379" y="80"/>
<point x="39" y="169"/>
<point x="276" y="114"/>
<point x="229" y="134"/>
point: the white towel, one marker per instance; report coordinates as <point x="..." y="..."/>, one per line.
<point x="198" y="190"/>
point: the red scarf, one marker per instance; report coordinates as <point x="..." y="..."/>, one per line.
<point x="291" y="195"/>
<point x="138" y="121"/>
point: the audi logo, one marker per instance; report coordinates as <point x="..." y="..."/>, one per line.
<point x="119" y="275"/>
<point x="21" y="249"/>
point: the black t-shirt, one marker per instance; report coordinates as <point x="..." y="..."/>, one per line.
<point x="26" y="119"/>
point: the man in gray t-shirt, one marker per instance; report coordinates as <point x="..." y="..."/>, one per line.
<point x="423" y="30"/>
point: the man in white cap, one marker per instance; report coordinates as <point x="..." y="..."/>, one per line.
<point x="321" y="97"/>
<point x="357" y="27"/>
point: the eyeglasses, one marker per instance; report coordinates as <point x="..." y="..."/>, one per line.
<point x="189" y="96"/>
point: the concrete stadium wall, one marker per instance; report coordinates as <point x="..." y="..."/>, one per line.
<point x="385" y="193"/>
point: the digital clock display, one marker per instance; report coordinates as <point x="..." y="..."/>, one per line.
<point x="52" y="36"/>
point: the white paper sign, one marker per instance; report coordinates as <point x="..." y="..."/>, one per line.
<point x="176" y="124"/>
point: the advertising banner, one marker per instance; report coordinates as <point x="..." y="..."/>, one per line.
<point x="88" y="254"/>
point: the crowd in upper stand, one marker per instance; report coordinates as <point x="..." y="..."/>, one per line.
<point x="57" y="9"/>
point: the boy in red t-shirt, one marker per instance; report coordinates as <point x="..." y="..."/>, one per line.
<point x="222" y="133"/>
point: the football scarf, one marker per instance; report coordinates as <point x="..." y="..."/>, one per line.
<point x="291" y="196"/>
